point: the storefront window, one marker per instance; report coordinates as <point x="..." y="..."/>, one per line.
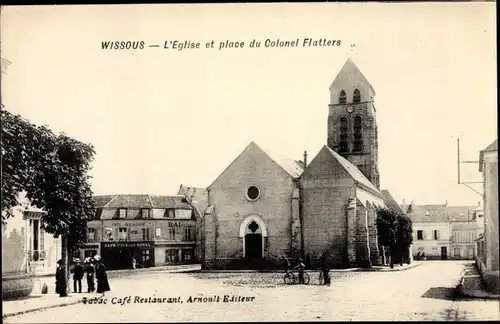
<point x="89" y="253"/>
<point x="187" y="254"/>
<point x="146" y="258"/>
<point x="171" y="255"/>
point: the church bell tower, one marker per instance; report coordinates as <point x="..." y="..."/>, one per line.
<point x="352" y="123"/>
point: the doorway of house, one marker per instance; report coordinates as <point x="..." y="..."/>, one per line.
<point x="444" y="253"/>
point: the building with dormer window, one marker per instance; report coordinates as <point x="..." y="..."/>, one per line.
<point x="155" y="230"/>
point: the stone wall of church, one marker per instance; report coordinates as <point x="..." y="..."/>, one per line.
<point x="362" y="236"/>
<point x="326" y="223"/>
<point x="373" y="236"/>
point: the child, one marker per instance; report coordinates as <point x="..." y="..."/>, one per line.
<point x="301" y="267"/>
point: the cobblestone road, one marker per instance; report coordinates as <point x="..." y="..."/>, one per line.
<point x="421" y="293"/>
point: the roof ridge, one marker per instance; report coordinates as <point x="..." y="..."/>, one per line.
<point x="106" y="204"/>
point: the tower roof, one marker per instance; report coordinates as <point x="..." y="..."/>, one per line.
<point x="353" y="72"/>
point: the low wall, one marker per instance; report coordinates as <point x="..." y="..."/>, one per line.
<point x="490" y="278"/>
<point x="16" y="285"/>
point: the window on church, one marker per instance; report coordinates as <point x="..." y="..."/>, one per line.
<point x="343" y="143"/>
<point x="356" y="96"/>
<point x="342" y="97"/>
<point x="358" y="135"/>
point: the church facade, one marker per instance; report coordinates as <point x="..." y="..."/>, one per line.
<point x="264" y="206"/>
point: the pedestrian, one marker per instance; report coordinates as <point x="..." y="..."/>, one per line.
<point x="61" y="287"/>
<point x="101" y="276"/>
<point x="301" y="267"/>
<point x="77" y="276"/>
<point x="90" y="275"/>
<point x="134" y="263"/>
<point x="325" y="270"/>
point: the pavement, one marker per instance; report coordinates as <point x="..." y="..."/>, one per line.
<point x="425" y="292"/>
<point x="37" y="301"/>
<point x="471" y="284"/>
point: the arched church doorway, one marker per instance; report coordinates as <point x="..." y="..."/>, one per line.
<point x="253" y="242"/>
<point x="253" y="232"/>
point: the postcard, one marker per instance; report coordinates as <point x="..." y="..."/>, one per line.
<point x="249" y="162"/>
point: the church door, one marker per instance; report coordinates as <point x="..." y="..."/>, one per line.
<point x="253" y="245"/>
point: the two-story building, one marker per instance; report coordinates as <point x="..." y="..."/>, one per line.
<point x="466" y="226"/>
<point x="41" y="249"/>
<point x="153" y="230"/>
<point x="431" y="231"/>
<point x="487" y="259"/>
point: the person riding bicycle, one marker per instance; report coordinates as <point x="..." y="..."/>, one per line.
<point x="288" y="266"/>
<point x="301" y="267"/>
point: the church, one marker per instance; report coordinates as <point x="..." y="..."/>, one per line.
<point x="264" y="206"/>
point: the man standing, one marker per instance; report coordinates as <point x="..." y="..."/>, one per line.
<point x="77" y="276"/>
<point x="325" y="269"/>
<point x="61" y="279"/>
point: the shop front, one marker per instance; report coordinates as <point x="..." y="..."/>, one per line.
<point x="169" y="254"/>
<point x="88" y="250"/>
<point x="119" y="255"/>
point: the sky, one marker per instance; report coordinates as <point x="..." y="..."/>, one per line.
<point x="159" y="118"/>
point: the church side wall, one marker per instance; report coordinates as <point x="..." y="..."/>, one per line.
<point x="325" y="222"/>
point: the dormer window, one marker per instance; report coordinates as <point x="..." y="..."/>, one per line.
<point x="342" y="97"/>
<point x="356" y="97"/>
<point x="145" y="212"/>
<point x="122" y="213"/>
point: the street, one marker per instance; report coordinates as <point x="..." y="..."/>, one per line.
<point x="420" y="293"/>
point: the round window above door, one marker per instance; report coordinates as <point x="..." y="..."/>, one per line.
<point x="253" y="193"/>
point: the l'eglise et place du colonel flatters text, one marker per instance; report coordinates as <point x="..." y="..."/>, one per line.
<point x="181" y="45"/>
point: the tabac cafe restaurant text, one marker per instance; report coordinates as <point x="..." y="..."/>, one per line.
<point x="153" y="230"/>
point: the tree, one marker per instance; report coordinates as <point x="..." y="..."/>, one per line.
<point x="53" y="171"/>
<point x="387" y="230"/>
<point x="395" y="230"/>
<point x="404" y="235"/>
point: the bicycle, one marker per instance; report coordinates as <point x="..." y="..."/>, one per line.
<point x="292" y="276"/>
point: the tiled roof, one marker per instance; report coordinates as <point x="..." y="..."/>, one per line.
<point x="130" y="201"/>
<point x="461" y="213"/>
<point x="465" y="226"/>
<point x="492" y="147"/>
<point x="101" y="200"/>
<point x="353" y="171"/>
<point x="140" y="201"/>
<point x="391" y="203"/>
<point x="428" y="214"/>
<point x="179" y="202"/>
<point x="197" y="196"/>
<point x="286" y="163"/>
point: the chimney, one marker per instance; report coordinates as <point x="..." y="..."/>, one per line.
<point x="305" y="159"/>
